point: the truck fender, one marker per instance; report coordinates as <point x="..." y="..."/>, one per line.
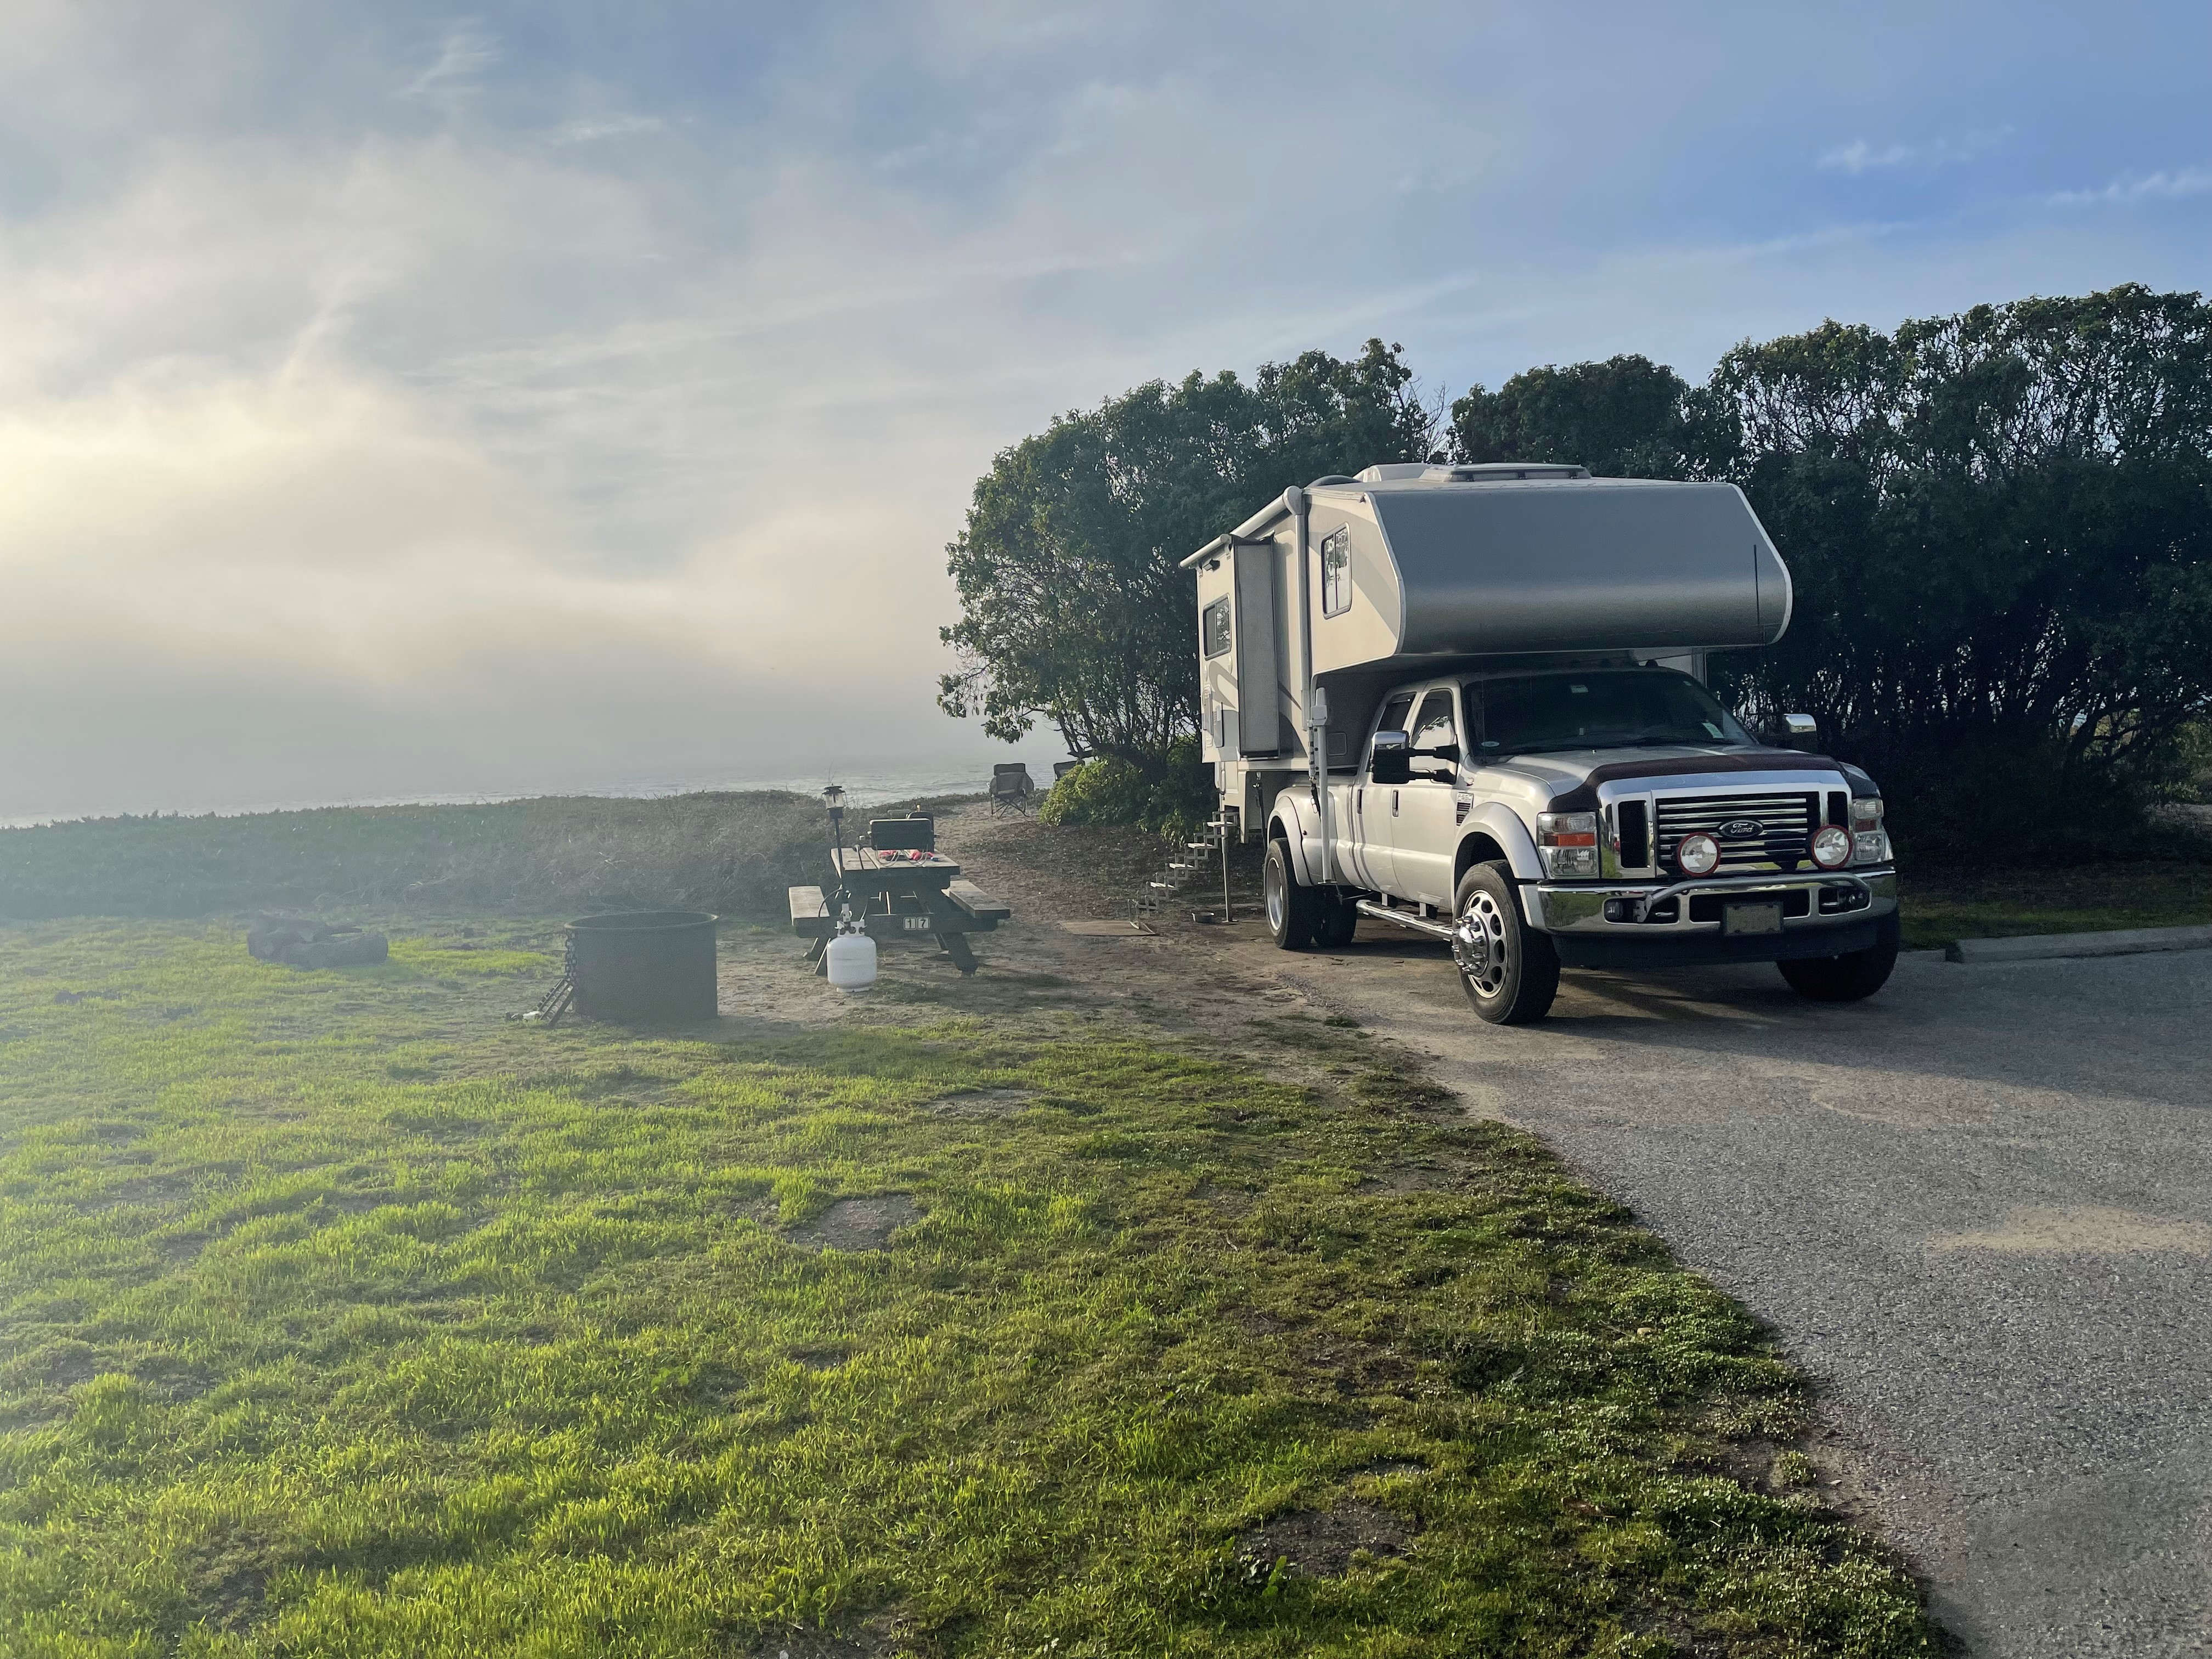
<point x="1296" y="822"/>
<point x="1506" y="827"/>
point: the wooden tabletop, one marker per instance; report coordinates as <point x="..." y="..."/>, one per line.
<point x="866" y="861"/>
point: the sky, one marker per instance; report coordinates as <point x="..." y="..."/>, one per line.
<point x="399" y="401"/>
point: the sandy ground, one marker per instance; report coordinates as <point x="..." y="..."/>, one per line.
<point x="1978" y="1208"/>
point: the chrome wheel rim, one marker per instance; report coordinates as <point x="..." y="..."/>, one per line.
<point x="1278" y="901"/>
<point x="1479" y="944"/>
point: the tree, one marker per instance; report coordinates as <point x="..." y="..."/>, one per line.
<point x="1999" y="525"/>
<point x="1628" y="417"/>
<point x="1072" y="608"/>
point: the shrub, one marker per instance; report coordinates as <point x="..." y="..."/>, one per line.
<point x="1176" y="800"/>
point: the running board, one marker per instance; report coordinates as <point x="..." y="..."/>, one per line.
<point x="1419" y="924"/>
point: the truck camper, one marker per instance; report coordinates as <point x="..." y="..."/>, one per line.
<point x="1471" y="702"/>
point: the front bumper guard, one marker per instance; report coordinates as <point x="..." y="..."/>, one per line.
<point x="1578" y="908"/>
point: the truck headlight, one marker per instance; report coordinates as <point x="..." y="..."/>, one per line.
<point x="1831" y="846"/>
<point x="1866" y="813"/>
<point x="1870" y="847"/>
<point x="1698" y="853"/>
<point x="1568" y="843"/>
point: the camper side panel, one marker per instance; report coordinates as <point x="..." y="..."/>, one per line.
<point x="1217" y="660"/>
<point x="1258" y="570"/>
<point x="1583" y="565"/>
<point x="1357" y="607"/>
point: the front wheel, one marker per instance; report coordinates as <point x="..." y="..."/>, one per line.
<point x="1510" y="971"/>
<point x="1850" y="977"/>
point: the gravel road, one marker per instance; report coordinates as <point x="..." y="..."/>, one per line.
<point x="1978" y="1208"/>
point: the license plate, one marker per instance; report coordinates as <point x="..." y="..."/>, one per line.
<point x="1751" y="918"/>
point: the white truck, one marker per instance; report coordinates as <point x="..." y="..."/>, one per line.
<point x="1470" y="701"/>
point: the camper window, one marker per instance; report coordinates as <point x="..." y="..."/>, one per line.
<point x="1213" y="627"/>
<point x="1336" y="572"/>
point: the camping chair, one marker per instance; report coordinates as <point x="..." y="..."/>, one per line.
<point x="1010" y="788"/>
<point x="1061" y="769"/>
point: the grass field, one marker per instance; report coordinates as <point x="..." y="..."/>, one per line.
<point x="340" y="1316"/>
<point x="1940" y="905"/>
<point x="731" y="853"/>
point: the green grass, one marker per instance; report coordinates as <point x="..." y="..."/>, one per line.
<point x="731" y="853"/>
<point x="1941" y="905"/>
<point x="340" y="1316"/>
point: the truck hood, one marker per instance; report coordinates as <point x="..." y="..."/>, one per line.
<point x="1571" y="777"/>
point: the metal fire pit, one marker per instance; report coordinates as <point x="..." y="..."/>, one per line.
<point x="644" y="967"/>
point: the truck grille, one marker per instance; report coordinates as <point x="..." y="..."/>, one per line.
<point x="1785" y="824"/>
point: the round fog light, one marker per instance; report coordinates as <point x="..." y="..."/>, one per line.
<point x="1831" y="846"/>
<point x="1698" y="855"/>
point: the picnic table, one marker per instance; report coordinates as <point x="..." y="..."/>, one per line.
<point x="907" y="893"/>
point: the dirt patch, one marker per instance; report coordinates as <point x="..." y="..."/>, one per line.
<point x="814" y="1645"/>
<point x="858" y="1224"/>
<point x="1321" y="1543"/>
<point x="1409" y="1178"/>
<point x="982" y="1104"/>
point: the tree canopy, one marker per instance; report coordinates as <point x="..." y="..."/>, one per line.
<point x="1999" y="525"/>
<point x="2000" y="528"/>
<point x="1072" y="609"/>
<point x="1622" y="418"/>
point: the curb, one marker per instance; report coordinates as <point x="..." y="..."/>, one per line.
<point x="2120" y="942"/>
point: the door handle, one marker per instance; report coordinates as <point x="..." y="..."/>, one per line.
<point x="1394" y="803"/>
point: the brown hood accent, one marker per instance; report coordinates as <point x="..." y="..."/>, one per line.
<point x="1583" y="797"/>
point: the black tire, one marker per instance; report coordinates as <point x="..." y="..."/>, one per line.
<point x="1340" y="920"/>
<point x="1293" y="911"/>
<point x="1850" y="977"/>
<point x="1510" y="971"/>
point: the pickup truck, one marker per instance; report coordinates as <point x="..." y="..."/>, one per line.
<point x="1522" y="760"/>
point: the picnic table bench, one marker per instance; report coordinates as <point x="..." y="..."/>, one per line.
<point x="909" y="893"/>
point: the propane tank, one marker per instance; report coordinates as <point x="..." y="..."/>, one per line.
<point x="852" y="961"/>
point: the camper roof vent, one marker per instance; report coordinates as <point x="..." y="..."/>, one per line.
<point x="1482" y="472"/>
<point x="1488" y="470"/>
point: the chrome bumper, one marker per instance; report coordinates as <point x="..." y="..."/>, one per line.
<point x="1579" y="907"/>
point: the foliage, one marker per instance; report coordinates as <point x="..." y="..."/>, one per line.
<point x="1941" y="905"/>
<point x="1999" y="525"/>
<point x="2000" y="528"/>
<point x="1178" y="802"/>
<point x="1626" y="418"/>
<point x="1072" y="609"/>
<point x="734" y="853"/>
<point x="342" y="1317"/>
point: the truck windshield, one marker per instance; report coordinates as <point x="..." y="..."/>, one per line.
<point x="1608" y="709"/>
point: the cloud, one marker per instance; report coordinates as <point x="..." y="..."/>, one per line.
<point x="466" y="49"/>
<point x="2137" y="188"/>
<point x="356" y="452"/>
<point x="590" y="131"/>
<point x="1860" y="156"/>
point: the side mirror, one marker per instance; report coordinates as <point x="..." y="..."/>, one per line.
<point x="1442" y="751"/>
<point x="1389" y="759"/>
<point x="1787" y="731"/>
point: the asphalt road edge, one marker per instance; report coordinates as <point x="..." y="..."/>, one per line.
<point x="2118" y="942"/>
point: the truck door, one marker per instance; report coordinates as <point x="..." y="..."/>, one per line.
<point x="1366" y="852"/>
<point x="1424" y="833"/>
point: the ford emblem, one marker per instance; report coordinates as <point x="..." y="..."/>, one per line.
<point x="1742" y="829"/>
